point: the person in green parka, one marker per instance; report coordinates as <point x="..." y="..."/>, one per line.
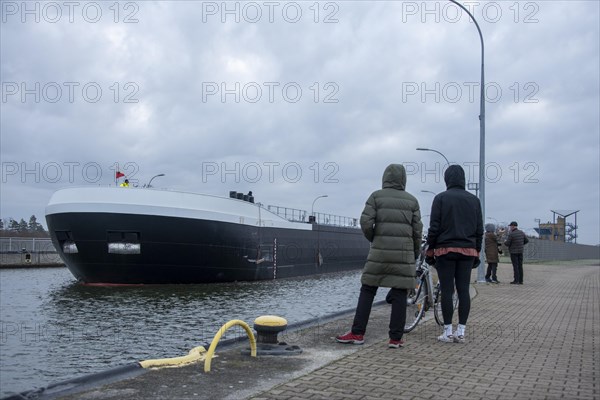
<point x="391" y="221"/>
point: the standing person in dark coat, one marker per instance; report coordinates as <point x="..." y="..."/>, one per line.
<point x="455" y="236"/>
<point x="391" y="221"/>
<point x="492" y="252"/>
<point x="516" y="242"/>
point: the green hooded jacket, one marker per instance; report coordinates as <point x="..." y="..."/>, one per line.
<point x="391" y="221"/>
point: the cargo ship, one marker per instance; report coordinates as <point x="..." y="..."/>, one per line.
<point x="112" y="235"/>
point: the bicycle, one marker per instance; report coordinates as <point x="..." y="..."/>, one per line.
<point x="425" y="295"/>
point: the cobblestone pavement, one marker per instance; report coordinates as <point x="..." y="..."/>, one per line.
<point x="540" y="340"/>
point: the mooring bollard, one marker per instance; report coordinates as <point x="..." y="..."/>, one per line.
<point x="267" y="328"/>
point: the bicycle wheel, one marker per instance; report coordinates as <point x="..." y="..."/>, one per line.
<point x="415" y="304"/>
<point x="437" y="304"/>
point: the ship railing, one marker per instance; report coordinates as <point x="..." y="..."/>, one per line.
<point x="297" y="215"/>
<point x="291" y="214"/>
<point x="336" y="220"/>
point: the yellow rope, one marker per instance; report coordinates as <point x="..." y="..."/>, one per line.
<point x="195" y="354"/>
<point x="199" y="353"/>
<point x="213" y="345"/>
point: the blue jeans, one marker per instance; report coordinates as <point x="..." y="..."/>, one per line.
<point x="455" y="269"/>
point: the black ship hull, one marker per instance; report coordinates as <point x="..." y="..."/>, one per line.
<point x="112" y="240"/>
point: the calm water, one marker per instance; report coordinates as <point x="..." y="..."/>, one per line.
<point x="53" y="329"/>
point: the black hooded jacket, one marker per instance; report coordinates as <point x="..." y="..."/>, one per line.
<point x="456" y="219"/>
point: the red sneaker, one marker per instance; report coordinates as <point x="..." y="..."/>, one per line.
<point x="394" y="344"/>
<point x="350" y="338"/>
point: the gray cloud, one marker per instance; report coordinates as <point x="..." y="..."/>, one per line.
<point x="378" y="81"/>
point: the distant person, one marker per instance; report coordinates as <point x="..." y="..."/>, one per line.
<point x="492" y="253"/>
<point x="516" y="242"/>
<point x="455" y="237"/>
<point x="391" y="221"/>
<point x="125" y="183"/>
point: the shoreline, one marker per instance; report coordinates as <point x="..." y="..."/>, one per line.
<point x="32" y="266"/>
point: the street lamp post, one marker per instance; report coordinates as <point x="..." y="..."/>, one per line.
<point x="312" y="208"/>
<point x="435" y="151"/>
<point x="480" y="271"/>
<point x="473" y="186"/>
<point x="149" y="185"/>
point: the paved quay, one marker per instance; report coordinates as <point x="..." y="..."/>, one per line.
<point x="540" y="340"/>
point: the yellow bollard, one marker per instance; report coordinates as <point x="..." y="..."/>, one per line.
<point x="215" y="341"/>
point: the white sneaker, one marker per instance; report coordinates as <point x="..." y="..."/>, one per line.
<point x="458" y="338"/>
<point x="446" y="338"/>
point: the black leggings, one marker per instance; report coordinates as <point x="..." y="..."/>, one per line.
<point x="455" y="269"/>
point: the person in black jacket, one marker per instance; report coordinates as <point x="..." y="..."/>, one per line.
<point x="455" y="237"/>
<point x="515" y="242"/>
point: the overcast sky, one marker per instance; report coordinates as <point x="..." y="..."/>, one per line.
<point x="294" y="100"/>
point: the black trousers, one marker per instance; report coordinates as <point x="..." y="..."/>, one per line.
<point x="455" y="269"/>
<point x="491" y="271"/>
<point x="363" y="311"/>
<point x="517" y="262"/>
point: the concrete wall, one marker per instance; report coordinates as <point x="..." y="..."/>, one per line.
<point x="545" y="250"/>
<point x="41" y="251"/>
<point x="37" y="259"/>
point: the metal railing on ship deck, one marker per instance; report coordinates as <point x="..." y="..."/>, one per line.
<point x="336" y="220"/>
<point x="297" y="215"/>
